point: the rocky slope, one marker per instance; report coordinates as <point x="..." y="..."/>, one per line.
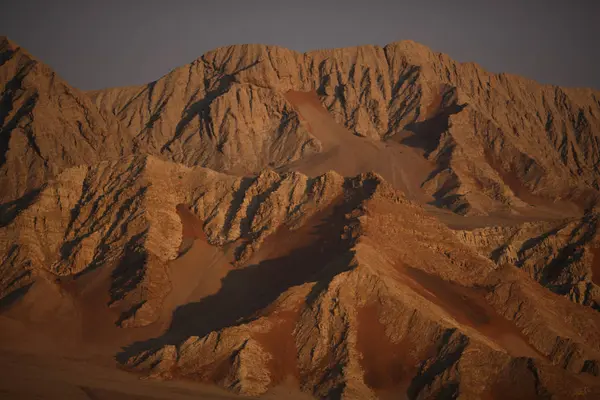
<point x="262" y="218"/>
<point x="46" y="126"/>
<point x="125" y="216"/>
<point x="497" y="140"/>
<point x="392" y="303"/>
<point x="341" y="286"/>
<point x="561" y="256"/>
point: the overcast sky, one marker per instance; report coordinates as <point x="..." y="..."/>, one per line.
<point x="126" y="42"/>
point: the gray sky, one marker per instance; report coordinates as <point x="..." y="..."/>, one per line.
<point x="96" y="44"/>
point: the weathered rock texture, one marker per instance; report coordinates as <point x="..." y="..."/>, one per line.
<point x="46" y="126"/>
<point x="123" y="214"/>
<point x="394" y="304"/>
<point x="497" y="140"/>
<point x="272" y="216"/>
<point x="561" y="256"/>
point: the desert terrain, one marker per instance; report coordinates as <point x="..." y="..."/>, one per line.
<point x="357" y="223"/>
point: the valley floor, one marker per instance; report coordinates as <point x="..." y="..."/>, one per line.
<point x="38" y="374"/>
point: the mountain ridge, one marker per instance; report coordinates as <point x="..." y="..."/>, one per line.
<point x="352" y="223"/>
<point x="358" y="101"/>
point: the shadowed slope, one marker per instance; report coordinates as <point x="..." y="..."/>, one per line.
<point x="47" y="126"/>
<point x="495" y="141"/>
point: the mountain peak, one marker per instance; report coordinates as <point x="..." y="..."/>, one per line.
<point x="424" y="226"/>
<point x="9" y="47"/>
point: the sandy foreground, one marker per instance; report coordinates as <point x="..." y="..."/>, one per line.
<point x="65" y="345"/>
<point x="27" y="371"/>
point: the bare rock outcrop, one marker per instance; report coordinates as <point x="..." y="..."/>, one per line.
<point x="341" y="285"/>
<point x="46" y="126"/>
<point x="123" y="214"/>
<point x="499" y="141"/>
<point x="561" y="255"/>
<point x="275" y="217"/>
<point x="399" y="305"/>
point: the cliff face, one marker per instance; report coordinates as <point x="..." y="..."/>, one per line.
<point x="496" y="140"/>
<point x="382" y="299"/>
<point x="46" y="126"/>
<point x="560" y="255"/>
<point x="263" y="217"/>
<point x="126" y="216"/>
<point x="342" y="285"/>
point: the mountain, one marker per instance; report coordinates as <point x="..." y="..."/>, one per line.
<point x="46" y="125"/>
<point x="351" y="223"/>
<point x="494" y="141"/>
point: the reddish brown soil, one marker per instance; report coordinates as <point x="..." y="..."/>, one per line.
<point x="595" y="250"/>
<point x="388" y="366"/>
<point x="198" y="271"/>
<point x="280" y="343"/>
<point x="35" y="375"/>
<point x="74" y="316"/>
<point x="563" y="208"/>
<point x="435" y="105"/>
<point x="402" y="166"/>
<point x="192" y="228"/>
<point x="60" y="343"/>
<point x="191" y="224"/>
<point x="468" y="307"/>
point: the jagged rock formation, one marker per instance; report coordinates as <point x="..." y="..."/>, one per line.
<point x="263" y="217"/>
<point x="124" y="214"/>
<point x="559" y="255"/>
<point x="46" y="126"/>
<point x="498" y="141"/>
<point x="397" y="305"/>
